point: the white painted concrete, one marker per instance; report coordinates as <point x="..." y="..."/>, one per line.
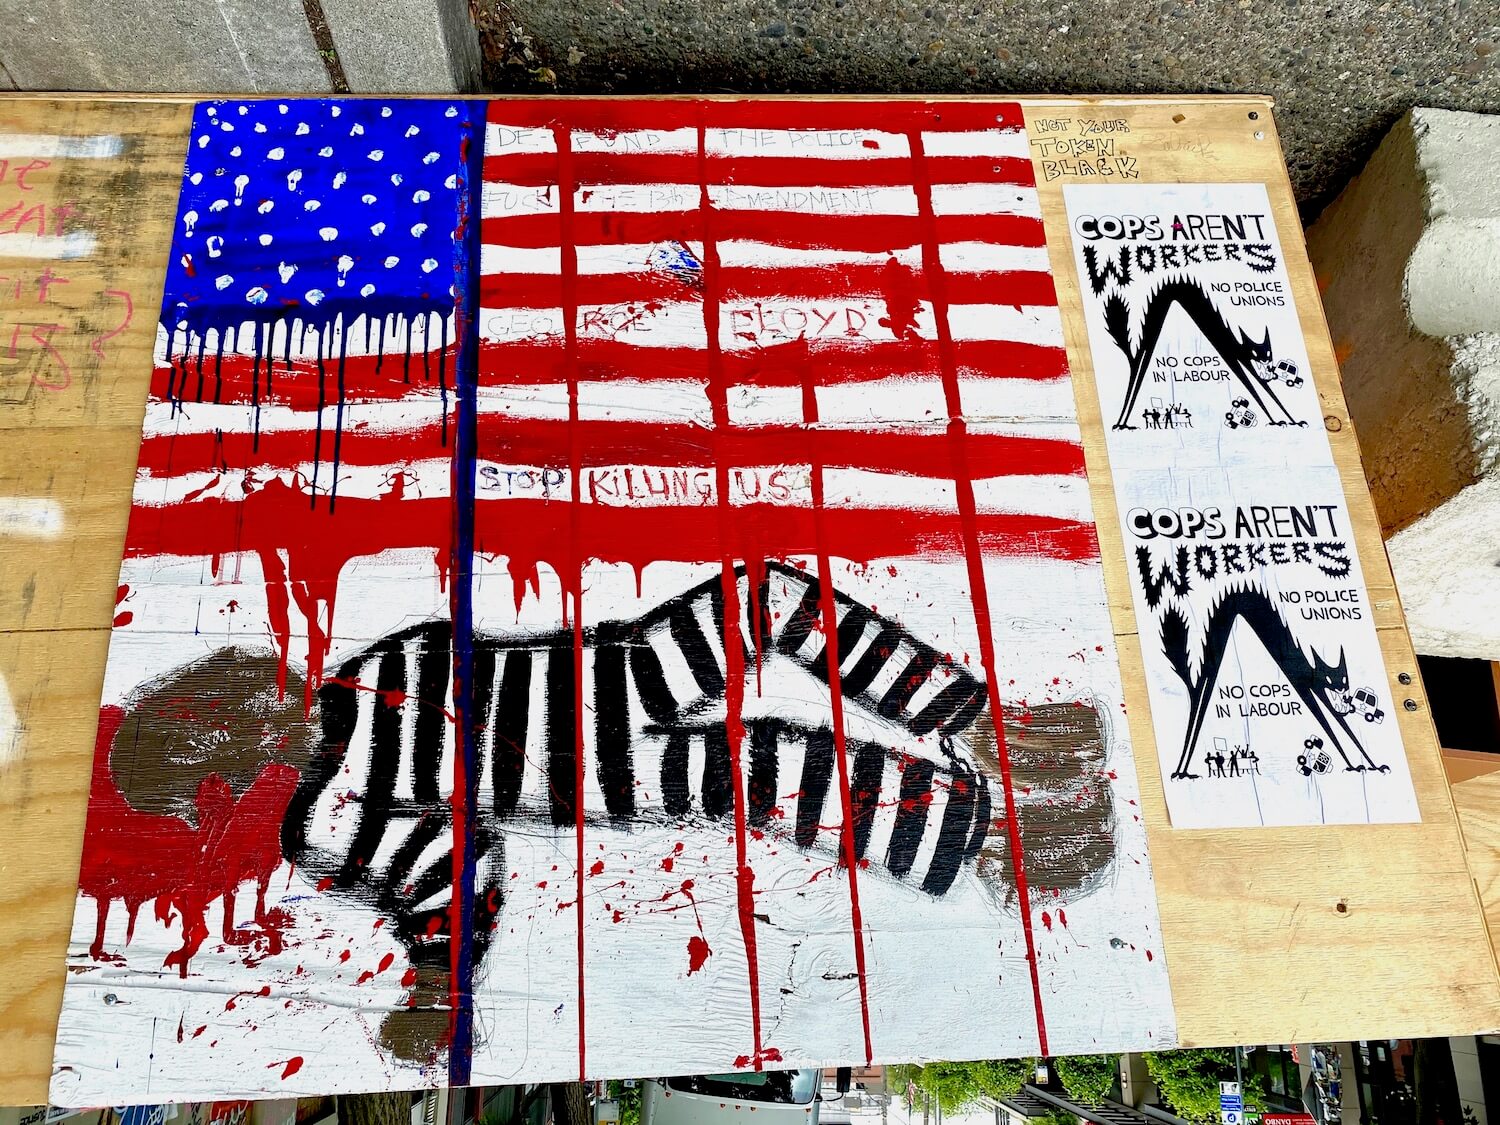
<point x="1422" y="370"/>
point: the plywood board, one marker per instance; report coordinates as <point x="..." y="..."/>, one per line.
<point x="1231" y="918"/>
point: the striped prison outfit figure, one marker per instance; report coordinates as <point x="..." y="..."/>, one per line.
<point x="371" y="821"/>
<point x="920" y="804"/>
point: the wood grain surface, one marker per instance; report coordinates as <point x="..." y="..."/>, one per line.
<point x="1271" y="935"/>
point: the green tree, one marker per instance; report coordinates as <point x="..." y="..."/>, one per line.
<point x="1188" y="1080"/>
<point x="1088" y="1078"/>
<point x="630" y="1102"/>
<point x="956" y="1085"/>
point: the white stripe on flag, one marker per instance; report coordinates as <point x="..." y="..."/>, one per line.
<point x="747" y="327"/>
<point x="985" y="199"/>
<point x="512" y="140"/>
<point x="617" y="400"/>
<point x="633" y="257"/>
<point x="819" y="144"/>
<point x="1026" y="324"/>
<point x="498" y="200"/>
<point x="991" y="257"/>
<point x="766" y="255"/>
<point x="813" y="200"/>
<point x="659" y="324"/>
<point x="637" y="142"/>
<point x="987" y="142"/>
<point x="361" y="337"/>
<point x="166" y="419"/>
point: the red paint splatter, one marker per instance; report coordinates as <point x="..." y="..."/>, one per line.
<point x="408" y="978"/>
<point x="289" y="1068"/>
<point x="1150" y="956"/>
<point x="1046" y="919"/>
<point x="385" y="962"/>
<point x="344" y="956"/>
<point x="142" y="857"/>
<point x="1062" y="916"/>
<point x="231" y="1003"/>
<point x="123" y="617"/>
<point x="901" y="300"/>
<point x="597" y="868"/>
<point x="698" y="952"/>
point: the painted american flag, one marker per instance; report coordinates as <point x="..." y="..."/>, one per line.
<point x="490" y="424"/>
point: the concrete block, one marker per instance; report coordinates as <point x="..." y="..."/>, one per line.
<point x="405" y="46"/>
<point x="193" y="46"/>
<point x="1408" y="257"/>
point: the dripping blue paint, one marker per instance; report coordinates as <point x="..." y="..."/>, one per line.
<point x="305" y="222"/>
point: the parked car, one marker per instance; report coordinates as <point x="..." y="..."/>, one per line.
<point x="777" y="1097"/>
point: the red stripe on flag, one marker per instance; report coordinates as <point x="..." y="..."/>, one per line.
<point x="831" y="362"/>
<point x="873" y="233"/>
<point x="546" y="442"/>
<point x="843" y="284"/>
<point x="233" y="379"/>
<point x="749" y="173"/>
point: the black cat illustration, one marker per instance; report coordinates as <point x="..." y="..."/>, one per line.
<point x="1251" y="360"/>
<point x="1322" y="687"/>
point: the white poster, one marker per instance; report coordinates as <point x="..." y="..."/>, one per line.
<point x="1268" y="693"/>
<point x="1269" y="696"/>
<point x="1197" y="351"/>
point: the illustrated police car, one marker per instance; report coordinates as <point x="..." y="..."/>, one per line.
<point x="1366" y="703"/>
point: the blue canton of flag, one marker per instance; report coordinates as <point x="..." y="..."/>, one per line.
<point x="316" y="210"/>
